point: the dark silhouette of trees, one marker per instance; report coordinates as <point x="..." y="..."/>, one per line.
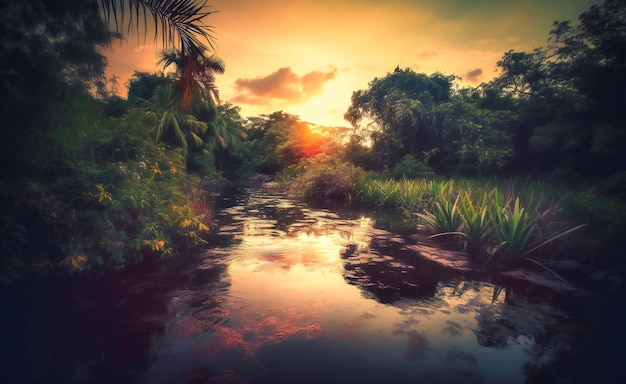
<point x="570" y="96"/>
<point x="423" y="116"/>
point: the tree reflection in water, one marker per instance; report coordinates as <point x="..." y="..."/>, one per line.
<point x="101" y="331"/>
<point x="290" y="293"/>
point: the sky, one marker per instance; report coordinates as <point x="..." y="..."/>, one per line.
<point x="307" y="57"/>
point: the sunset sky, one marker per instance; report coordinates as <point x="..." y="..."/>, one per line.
<point x="307" y="57"/>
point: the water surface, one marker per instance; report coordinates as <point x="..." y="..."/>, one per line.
<point x="288" y="293"/>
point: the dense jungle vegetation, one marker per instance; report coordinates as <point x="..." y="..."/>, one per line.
<point x="92" y="180"/>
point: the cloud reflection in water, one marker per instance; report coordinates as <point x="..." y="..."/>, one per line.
<point x="319" y="283"/>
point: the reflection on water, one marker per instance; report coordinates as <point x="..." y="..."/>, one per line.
<point x="290" y="294"/>
<point x="316" y="297"/>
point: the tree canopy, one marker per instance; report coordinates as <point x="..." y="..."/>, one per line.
<point x="425" y="117"/>
<point x="558" y="109"/>
<point x="571" y="94"/>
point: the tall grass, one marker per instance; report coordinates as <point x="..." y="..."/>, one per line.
<point x="492" y="227"/>
<point x="516" y="229"/>
<point x="477" y="228"/>
<point x="409" y="195"/>
<point x="444" y="216"/>
<point x="503" y="222"/>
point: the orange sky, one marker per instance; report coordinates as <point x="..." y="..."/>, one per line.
<point x="307" y="57"/>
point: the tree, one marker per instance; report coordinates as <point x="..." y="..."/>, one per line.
<point x="226" y="127"/>
<point x="281" y="140"/>
<point x="527" y="74"/>
<point x="275" y="141"/>
<point x="173" y="125"/>
<point x="571" y="94"/>
<point x="594" y="53"/>
<point x="141" y="85"/>
<point x="223" y="137"/>
<point x="182" y="28"/>
<point x="423" y="116"/>
<point x="403" y="106"/>
<point x="195" y="76"/>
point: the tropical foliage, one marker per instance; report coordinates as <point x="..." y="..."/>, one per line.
<point x="569" y="95"/>
<point x="110" y="205"/>
<point x="488" y="223"/>
<point x="421" y="116"/>
<point x="88" y="184"/>
<point x="184" y="35"/>
<point x="92" y="179"/>
<point x="173" y="124"/>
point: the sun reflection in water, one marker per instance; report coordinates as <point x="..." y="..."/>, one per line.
<point x="320" y="277"/>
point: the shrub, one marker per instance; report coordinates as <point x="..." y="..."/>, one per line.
<point x="107" y="205"/>
<point x="411" y="168"/>
<point x="322" y="176"/>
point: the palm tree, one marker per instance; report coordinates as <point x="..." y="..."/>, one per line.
<point x="173" y="124"/>
<point x="195" y="74"/>
<point x="227" y="127"/>
<point x="182" y="28"/>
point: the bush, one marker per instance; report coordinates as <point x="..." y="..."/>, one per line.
<point x="322" y="176"/>
<point x="411" y="168"/>
<point x="106" y="206"/>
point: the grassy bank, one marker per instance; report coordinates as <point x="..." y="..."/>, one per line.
<point x="498" y="221"/>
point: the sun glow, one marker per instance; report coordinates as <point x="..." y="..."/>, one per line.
<point x="306" y="58"/>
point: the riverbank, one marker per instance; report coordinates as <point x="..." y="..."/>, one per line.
<point x="506" y="223"/>
<point x="288" y="290"/>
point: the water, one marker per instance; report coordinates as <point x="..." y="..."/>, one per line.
<point x="289" y="293"/>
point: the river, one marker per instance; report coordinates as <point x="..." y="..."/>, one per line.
<point x="293" y="293"/>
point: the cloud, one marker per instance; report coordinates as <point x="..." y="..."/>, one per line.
<point x="487" y="41"/>
<point x="282" y="85"/>
<point x="247" y="99"/>
<point x="473" y="75"/>
<point x="426" y="54"/>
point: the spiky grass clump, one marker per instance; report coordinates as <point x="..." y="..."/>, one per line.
<point x="516" y="229"/>
<point x="492" y="220"/>
<point x="477" y="225"/>
<point x="444" y="216"/>
<point x="494" y="227"/>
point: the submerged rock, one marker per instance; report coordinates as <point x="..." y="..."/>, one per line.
<point x="458" y="260"/>
<point x="540" y="278"/>
<point x="462" y="262"/>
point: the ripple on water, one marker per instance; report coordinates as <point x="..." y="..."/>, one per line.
<point x="309" y="294"/>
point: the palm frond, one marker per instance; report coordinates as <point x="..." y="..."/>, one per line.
<point x="196" y="74"/>
<point x="196" y="139"/>
<point x="181" y="25"/>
